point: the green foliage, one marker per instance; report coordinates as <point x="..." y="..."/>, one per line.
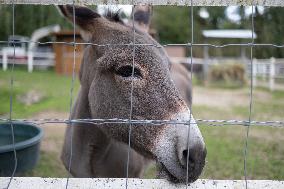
<point x="173" y="25"/>
<point x="269" y="28"/>
<point x="28" y="18"/>
<point x="216" y="19"/>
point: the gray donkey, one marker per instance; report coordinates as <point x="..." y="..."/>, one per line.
<point x="105" y="92"/>
<point x="180" y="75"/>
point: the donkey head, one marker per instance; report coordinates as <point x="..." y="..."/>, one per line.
<point x="106" y="75"/>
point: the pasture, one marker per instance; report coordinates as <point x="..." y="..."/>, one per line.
<point x="49" y="96"/>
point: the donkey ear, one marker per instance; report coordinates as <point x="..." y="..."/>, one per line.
<point x="84" y="17"/>
<point x="142" y="16"/>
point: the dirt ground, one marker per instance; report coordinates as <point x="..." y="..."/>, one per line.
<point x="225" y="98"/>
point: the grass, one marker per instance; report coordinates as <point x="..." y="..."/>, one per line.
<point x="225" y="145"/>
<point x="49" y="165"/>
<point x="54" y="88"/>
<point x="225" y="158"/>
<point x="225" y="85"/>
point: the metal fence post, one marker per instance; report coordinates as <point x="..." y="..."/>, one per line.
<point x="272" y="74"/>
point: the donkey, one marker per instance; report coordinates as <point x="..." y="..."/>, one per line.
<point x="107" y="80"/>
<point x="180" y="75"/>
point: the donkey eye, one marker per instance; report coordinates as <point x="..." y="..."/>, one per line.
<point x="126" y="71"/>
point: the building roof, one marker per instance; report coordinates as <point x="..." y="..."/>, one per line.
<point x="237" y="34"/>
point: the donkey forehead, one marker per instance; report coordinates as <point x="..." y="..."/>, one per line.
<point x="145" y="56"/>
<point x="116" y="32"/>
<point x="121" y="37"/>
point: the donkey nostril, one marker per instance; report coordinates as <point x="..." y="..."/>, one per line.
<point x="184" y="153"/>
<point x="189" y="157"/>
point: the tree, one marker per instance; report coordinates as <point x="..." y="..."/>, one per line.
<point x="28" y="18"/>
<point x="270" y="29"/>
<point x="173" y="26"/>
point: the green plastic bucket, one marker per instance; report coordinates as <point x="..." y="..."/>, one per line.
<point x="27" y="144"/>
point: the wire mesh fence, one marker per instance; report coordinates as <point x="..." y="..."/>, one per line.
<point x="142" y="122"/>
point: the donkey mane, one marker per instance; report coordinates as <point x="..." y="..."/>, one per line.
<point x="113" y="16"/>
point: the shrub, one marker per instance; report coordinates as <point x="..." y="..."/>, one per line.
<point x="230" y="73"/>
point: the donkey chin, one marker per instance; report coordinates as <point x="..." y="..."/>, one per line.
<point x="181" y="151"/>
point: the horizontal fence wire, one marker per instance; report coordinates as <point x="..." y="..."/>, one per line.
<point x="147" y="122"/>
<point x="149" y="44"/>
<point x="151" y="2"/>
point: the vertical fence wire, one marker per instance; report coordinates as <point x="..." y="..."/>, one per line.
<point x="131" y="99"/>
<point x="71" y="94"/>
<point x="190" y="107"/>
<point x="251" y="98"/>
<point x="11" y="97"/>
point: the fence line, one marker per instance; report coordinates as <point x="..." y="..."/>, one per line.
<point x="151" y="2"/>
<point x="120" y="183"/>
<point x="148" y="122"/>
<point x="30" y="59"/>
<point x="268" y="70"/>
<point x="149" y="44"/>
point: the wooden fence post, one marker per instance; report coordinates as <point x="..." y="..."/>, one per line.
<point x="254" y="72"/>
<point x="4" y="60"/>
<point x="272" y="74"/>
<point x="205" y="65"/>
<point x="30" y="61"/>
